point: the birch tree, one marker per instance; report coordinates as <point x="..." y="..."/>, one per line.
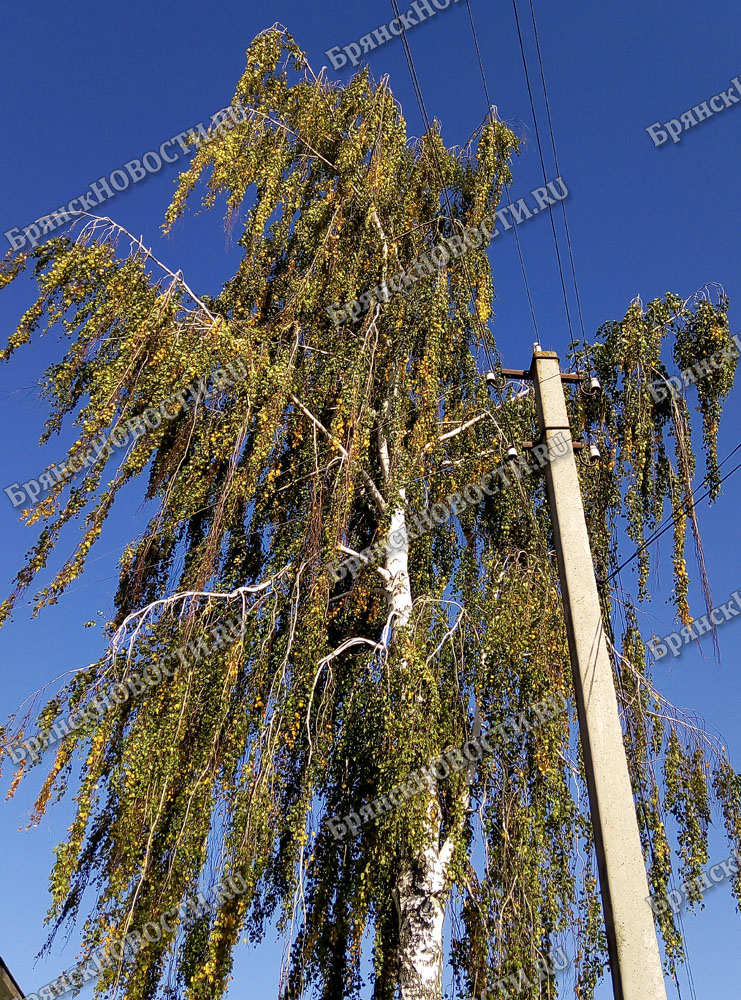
<point x="333" y="641"/>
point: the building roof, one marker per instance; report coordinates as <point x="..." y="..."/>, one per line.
<point x="9" y="988"/>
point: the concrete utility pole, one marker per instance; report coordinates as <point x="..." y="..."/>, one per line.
<point x="635" y="963"/>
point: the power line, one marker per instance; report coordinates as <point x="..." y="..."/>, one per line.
<point x="426" y="120"/>
<point x="506" y="186"/>
<point x="650" y="835"/>
<point x="509" y="201"/>
<point x="542" y="165"/>
<point x="558" y="170"/>
<point x="670" y="521"/>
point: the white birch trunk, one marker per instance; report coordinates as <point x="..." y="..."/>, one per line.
<point x="398" y="584"/>
<point x="421" y="897"/>
<point x="422" y="886"/>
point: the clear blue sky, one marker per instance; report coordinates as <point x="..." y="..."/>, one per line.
<point x="87" y="87"/>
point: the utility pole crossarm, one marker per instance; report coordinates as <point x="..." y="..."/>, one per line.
<point x="635" y="962"/>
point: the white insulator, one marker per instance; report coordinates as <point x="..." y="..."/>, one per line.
<point x="593" y="452"/>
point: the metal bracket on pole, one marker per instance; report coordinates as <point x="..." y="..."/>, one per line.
<point x="526" y="374"/>
<point x="528" y="445"/>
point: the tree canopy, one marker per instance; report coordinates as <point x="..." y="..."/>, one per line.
<point x="333" y="688"/>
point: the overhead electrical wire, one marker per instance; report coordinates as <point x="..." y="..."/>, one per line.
<point x="542" y="161"/>
<point x="558" y="170"/>
<point x="506" y="186"/>
<point x="542" y="165"/>
<point x="668" y="522"/>
<point x="558" y="256"/>
<point x="509" y="200"/>
<point x="426" y="121"/>
<point x="650" y="838"/>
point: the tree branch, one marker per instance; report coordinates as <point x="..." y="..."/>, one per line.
<point x="373" y="489"/>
